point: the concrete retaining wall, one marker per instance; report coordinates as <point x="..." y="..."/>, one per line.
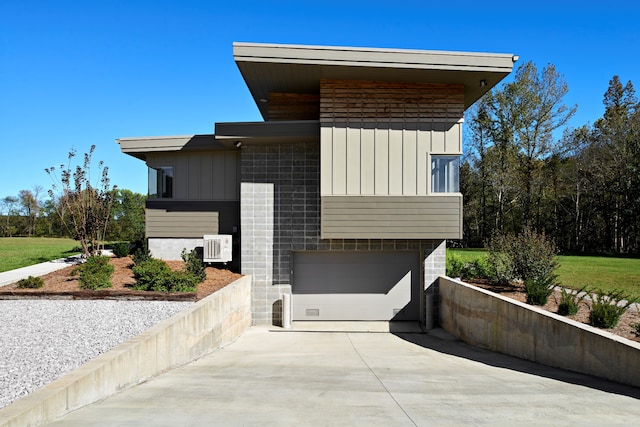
<point x="211" y="323"/>
<point x="500" y="324"/>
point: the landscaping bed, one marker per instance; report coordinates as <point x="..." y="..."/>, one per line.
<point x="64" y="284"/>
<point x="516" y="291"/>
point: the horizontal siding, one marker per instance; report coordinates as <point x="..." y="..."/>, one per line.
<point x="162" y="223"/>
<point x="293" y="106"/>
<point x="391" y="217"/>
<point x="346" y="99"/>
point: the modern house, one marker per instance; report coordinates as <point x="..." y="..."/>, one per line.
<point x="344" y="196"/>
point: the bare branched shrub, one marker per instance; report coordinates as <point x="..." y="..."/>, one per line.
<point x="83" y="208"/>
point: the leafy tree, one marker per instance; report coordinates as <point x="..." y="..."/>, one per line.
<point x="9" y="206"/>
<point x="87" y="206"/>
<point x="127" y="216"/>
<point x="617" y="148"/>
<point x="30" y="206"/>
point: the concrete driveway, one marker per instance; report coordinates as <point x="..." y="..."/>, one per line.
<point x="284" y="378"/>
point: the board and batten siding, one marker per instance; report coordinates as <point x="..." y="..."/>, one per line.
<point x="392" y="217"/>
<point x="180" y="224"/>
<point x="376" y="137"/>
<point x="202" y="175"/>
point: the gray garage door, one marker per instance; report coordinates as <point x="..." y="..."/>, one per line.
<point x="356" y="286"/>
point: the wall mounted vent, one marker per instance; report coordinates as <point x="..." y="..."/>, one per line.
<point x="217" y="248"/>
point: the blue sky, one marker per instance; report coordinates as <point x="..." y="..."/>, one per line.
<point x="76" y="73"/>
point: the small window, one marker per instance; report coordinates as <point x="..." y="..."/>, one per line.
<point x="445" y="172"/>
<point x="161" y="182"/>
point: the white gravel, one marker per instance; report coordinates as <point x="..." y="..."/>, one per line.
<point x="42" y="339"/>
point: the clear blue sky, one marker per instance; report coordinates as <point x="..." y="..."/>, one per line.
<point x="76" y="73"/>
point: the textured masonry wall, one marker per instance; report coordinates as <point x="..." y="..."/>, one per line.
<point x="280" y="213"/>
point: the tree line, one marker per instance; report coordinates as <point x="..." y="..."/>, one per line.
<point x="77" y="208"/>
<point x="581" y="189"/>
<point x="28" y="214"/>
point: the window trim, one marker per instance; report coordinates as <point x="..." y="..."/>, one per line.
<point x="162" y="181"/>
<point x="451" y="183"/>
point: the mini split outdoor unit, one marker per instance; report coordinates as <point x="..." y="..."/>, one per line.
<point x="217" y="248"/>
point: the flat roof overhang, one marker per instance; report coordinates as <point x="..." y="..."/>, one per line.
<point x="139" y="146"/>
<point x="283" y="68"/>
<point x="267" y="132"/>
<point x="226" y="137"/>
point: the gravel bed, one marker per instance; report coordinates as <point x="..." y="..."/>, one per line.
<point x="42" y="339"/>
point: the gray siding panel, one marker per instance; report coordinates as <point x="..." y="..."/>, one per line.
<point x="391" y="217"/>
<point x="202" y="175"/>
<point x="162" y="223"/>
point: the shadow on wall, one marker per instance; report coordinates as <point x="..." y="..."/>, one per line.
<point x="457" y="348"/>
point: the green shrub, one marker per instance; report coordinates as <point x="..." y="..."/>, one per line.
<point x="31" y="282"/>
<point x="454" y="266"/>
<point x="141" y="253"/>
<point x="194" y="265"/>
<point x="155" y="275"/>
<point x="478" y="269"/>
<point x="607" y="308"/>
<point x="539" y="289"/>
<point x="636" y="328"/>
<point x="151" y="275"/>
<point x="121" y="249"/>
<point x="529" y="257"/>
<point x="499" y="259"/>
<point x="533" y="256"/>
<point x="96" y="273"/>
<point x="181" y="281"/>
<point x="570" y="300"/>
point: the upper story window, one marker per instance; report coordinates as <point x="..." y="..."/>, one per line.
<point x="161" y="182"/>
<point x="445" y="172"/>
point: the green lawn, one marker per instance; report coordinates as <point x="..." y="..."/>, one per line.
<point x="606" y="273"/>
<point x="16" y="252"/>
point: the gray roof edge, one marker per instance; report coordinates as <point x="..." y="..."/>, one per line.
<point x="367" y="49"/>
<point x="258" y="52"/>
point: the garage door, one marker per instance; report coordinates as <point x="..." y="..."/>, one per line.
<point x="356" y="286"/>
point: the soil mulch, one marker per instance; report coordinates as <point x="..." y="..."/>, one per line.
<point x="516" y="291"/>
<point x="64" y="284"/>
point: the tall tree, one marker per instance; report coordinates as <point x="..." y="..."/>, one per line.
<point x="535" y="103"/>
<point x="87" y="206"/>
<point x="30" y="206"/>
<point x="9" y="206"/>
<point x="617" y="136"/>
<point x="127" y="216"/>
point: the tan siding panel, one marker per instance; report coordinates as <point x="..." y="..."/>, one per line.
<point x="326" y="160"/>
<point x="373" y="217"/>
<point x="453" y="137"/>
<point x="395" y="161"/>
<point x="339" y="160"/>
<point x="437" y="138"/>
<point x="410" y="146"/>
<point x="381" y="161"/>
<point x="353" y="160"/>
<point x="160" y="223"/>
<point x="422" y="154"/>
<point x="367" y="159"/>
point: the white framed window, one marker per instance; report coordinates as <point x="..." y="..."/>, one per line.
<point x="445" y="173"/>
<point x="161" y="182"/>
